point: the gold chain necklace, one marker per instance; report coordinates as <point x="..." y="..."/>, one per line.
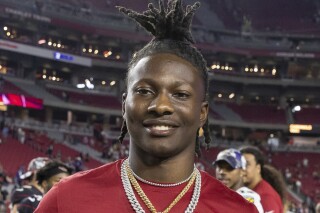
<point x="146" y="200"/>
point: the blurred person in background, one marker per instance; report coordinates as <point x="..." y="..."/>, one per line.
<point x="47" y="176"/>
<point x="230" y="168"/>
<point x="3" y="194"/>
<point x="318" y="207"/>
<point x="264" y="179"/>
<point x="32" y="187"/>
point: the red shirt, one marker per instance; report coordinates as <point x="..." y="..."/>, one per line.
<point x="100" y="190"/>
<point x="270" y="199"/>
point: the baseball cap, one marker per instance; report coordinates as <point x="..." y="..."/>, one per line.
<point x="233" y="157"/>
<point x="34" y="165"/>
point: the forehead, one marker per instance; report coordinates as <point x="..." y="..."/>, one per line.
<point x="249" y="157"/>
<point x="163" y="64"/>
<point x="58" y="176"/>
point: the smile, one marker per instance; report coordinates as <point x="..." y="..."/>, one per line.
<point x="161" y="128"/>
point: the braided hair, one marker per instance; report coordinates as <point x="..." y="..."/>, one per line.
<point x="171" y="30"/>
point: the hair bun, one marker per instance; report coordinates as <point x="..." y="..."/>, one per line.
<point x="173" y="22"/>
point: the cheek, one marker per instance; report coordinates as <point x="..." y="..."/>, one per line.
<point x="192" y="114"/>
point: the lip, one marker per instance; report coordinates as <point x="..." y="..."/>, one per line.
<point x="224" y="181"/>
<point x="158" y="122"/>
<point x="160" y="128"/>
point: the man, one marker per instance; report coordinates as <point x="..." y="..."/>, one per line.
<point x="256" y="171"/>
<point x="47" y="176"/>
<point x="164" y="106"/>
<point x="32" y="188"/>
<point x="318" y="207"/>
<point x="230" y="166"/>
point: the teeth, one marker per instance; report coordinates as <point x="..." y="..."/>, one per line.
<point x="161" y="127"/>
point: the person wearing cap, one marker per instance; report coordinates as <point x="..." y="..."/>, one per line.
<point x="32" y="188"/>
<point x="47" y="176"/>
<point x="230" y="167"/>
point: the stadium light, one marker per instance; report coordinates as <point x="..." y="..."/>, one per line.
<point x="296" y="108"/>
<point x="81" y="86"/>
<point x="231" y="95"/>
<point x="296" y="128"/>
<point x="42" y="41"/>
<point x="89" y="84"/>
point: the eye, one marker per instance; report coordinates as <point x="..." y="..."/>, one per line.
<point x="182" y="95"/>
<point x="144" y="91"/>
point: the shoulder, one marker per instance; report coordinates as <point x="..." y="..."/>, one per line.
<point x="248" y="193"/>
<point x="264" y="189"/>
<point x="92" y="177"/>
<point x="20" y="193"/>
<point x="71" y="192"/>
<point x="87" y="181"/>
<point x="270" y="199"/>
<point x="251" y="196"/>
<point x="220" y="197"/>
<point x="29" y="204"/>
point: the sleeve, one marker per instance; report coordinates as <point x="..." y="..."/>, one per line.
<point x="49" y="203"/>
<point x="252" y="197"/>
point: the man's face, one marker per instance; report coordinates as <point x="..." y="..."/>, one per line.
<point x="164" y="105"/>
<point x="228" y="175"/>
<point x="252" y="169"/>
<point x="53" y="180"/>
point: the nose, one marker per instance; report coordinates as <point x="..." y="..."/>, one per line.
<point x="161" y="105"/>
<point x="221" y="171"/>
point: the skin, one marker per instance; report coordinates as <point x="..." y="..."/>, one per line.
<point x="230" y="177"/>
<point x="252" y="174"/>
<point x="318" y="208"/>
<point x="164" y="106"/>
<point x="48" y="184"/>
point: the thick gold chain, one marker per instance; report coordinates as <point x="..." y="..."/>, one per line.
<point x="146" y="200"/>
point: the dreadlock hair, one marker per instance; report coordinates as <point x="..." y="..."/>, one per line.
<point x="171" y="28"/>
<point x="268" y="172"/>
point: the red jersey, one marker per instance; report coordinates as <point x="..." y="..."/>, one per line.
<point x="270" y="199"/>
<point x="100" y="190"/>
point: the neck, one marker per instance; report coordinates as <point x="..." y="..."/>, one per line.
<point x="37" y="186"/>
<point x="162" y="170"/>
<point x="237" y="186"/>
<point x="255" y="182"/>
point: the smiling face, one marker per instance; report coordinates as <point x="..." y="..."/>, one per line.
<point x="229" y="176"/>
<point x="164" y="106"/>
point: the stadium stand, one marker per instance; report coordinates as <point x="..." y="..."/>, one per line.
<point x="272" y="48"/>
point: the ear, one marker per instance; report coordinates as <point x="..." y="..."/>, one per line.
<point x="259" y="169"/>
<point x="204" y="113"/>
<point x="242" y="172"/>
<point x="124" y="96"/>
<point x="44" y="185"/>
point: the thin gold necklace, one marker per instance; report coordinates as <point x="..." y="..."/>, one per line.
<point x="146" y="200"/>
